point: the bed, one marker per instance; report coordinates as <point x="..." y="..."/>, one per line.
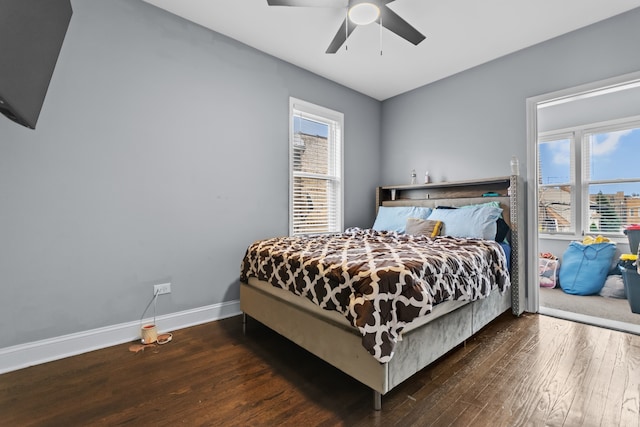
<point x="383" y="353"/>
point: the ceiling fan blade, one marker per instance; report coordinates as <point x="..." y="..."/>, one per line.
<point x="340" y="37"/>
<point x="392" y="22"/>
<point x="309" y="3"/>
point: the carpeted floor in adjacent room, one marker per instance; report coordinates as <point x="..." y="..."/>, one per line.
<point x="592" y="305"/>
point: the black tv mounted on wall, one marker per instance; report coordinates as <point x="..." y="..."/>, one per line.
<point x="31" y="35"/>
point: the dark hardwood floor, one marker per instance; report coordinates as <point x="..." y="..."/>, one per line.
<point x="533" y="370"/>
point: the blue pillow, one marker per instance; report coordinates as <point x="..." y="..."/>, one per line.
<point x="394" y="218"/>
<point x="477" y="222"/>
<point x="492" y="203"/>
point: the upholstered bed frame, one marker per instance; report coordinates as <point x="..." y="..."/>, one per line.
<point x="307" y="325"/>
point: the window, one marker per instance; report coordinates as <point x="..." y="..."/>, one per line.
<point x="589" y="179"/>
<point x="315" y="147"/>
<point x="556" y="184"/>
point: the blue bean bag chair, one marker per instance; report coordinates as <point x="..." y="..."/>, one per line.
<point x="584" y="268"/>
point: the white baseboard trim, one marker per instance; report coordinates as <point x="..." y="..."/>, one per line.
<point x="591" y="320"/>
<point x="37" y="352"/>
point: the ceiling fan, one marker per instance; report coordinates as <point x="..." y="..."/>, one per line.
<point x="360" y="12"/>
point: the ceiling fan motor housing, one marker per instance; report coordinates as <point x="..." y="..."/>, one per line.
<point x="363" y="12"/>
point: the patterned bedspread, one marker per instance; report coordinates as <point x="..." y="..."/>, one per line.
<point x="379" y="280"/>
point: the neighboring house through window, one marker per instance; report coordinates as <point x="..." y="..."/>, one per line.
<point x="315" y="183"/>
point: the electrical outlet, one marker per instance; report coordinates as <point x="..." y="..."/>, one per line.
<point x="164" y="288"/>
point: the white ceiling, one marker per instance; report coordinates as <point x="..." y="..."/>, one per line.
<point x="460" y="35"/>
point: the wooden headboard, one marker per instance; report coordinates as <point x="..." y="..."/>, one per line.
<point x="458" y="193"/>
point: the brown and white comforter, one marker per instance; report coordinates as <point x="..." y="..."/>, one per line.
<point x="379" y="280"/>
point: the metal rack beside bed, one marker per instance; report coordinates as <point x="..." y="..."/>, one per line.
<point x="423" y="341"/>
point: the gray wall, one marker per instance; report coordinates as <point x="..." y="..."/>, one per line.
<point x="469" y="125"/>
<point x="160" y="155"/>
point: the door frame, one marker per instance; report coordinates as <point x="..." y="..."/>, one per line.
<point x="532" y="292"/>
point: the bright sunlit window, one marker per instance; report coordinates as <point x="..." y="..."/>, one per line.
<point x="316" y="187"/>
<point x="589" y="179"/>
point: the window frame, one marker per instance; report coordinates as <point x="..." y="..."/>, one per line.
<point x="547" y="137"/>
<point x="580" y="158"/>
<point x="336" y="139"/>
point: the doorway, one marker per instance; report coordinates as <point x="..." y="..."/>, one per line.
<point x="557" y="115"/>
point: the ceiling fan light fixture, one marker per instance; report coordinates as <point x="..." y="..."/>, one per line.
<point x="364" y="13"/>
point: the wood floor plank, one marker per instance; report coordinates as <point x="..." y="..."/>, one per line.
<point x="502" y="392"/>
<point x="542" y="400"/>
<point x="630" y="413"/>
<point x="533" y="370"/>
<point x="497" y="376"/>
<point x="588" y="403"/>
<point x="581" y="352"/>
<point x="615" y="390"/>
<point x="557" y="382"/>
